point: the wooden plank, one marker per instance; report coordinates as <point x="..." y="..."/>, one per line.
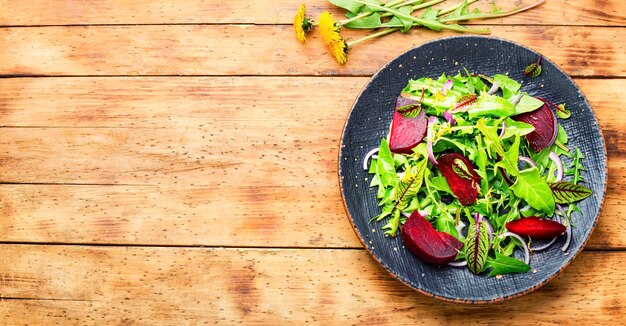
<point x="228" y="50"/>
<point x="113" y="285"/>
<point x="150" y="131"/>
<point x="67" y="12"/>
<point x="158" y="102"/>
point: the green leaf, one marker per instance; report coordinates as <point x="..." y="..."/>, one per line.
<point x="527" y="104"/>
<point x="533" y="70"/>
<point x="562" y="112"/>
<point x="445" y="223"/>
<point x="406" y="23"/>
<point x="565" y="192"/>
<point x="477" y="247"/>
<point x="516" y="128"/>
<point x="459" y="167"/>
<point x="391" y="228"/>
<point x="534" y="190"/>
<point x="368" y="22"/>
<point x="385" y="165"/>
<point x="410" y="111"/>
<point x="509" y="165"/>
<point x="349" y="5"/>
<point x="506" y="265"/>
<point x="509" y="86"/>
<point x="441" y="184"/>
<point x="410" y="185"/>
<point x="490" y="105"/>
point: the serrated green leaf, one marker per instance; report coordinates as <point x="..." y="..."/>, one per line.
<point x="506" y="265"/>
<point x="565" y="192"/>
<point x="477" y="247"/>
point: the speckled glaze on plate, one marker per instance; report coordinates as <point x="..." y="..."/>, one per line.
<point x="369" y="121"/>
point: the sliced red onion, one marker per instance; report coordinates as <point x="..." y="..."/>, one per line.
<point x="446" y="87"/>
<point x="460" y="263"/>
<point x="368" y="155"/>
<point x="559" y="165"/>
<point x="429" y="140"/>
<point x="449" y="117"/>
<point x="528" y="160"/>
<point x="494" y="88"/>
<point x="544" y="246"/>
<point x="503" y="129"/>
<point x="568" y="229"/>
<point x="526" y="251"/>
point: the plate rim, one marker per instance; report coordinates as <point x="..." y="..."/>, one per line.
<point x="377" y="259"/>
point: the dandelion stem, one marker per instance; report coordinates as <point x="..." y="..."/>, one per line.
<point x="491" y="15"/>
<point x="419" y="5"/>
<point x="371" y="36"/>
<point x="429" y="23"/>
<point x="357" y="17"/>
<point x="455" y="7"/>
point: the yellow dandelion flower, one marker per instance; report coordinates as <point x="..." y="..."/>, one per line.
<point x="302" y="24"/>
<point x="328" y="28"/>
<point x="338" y="50"/>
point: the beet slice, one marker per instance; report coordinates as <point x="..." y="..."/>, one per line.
<point x="461" y="177"/>
<point x="428" y="244"/>
<point x="536" y="228"/>
<point x="406" y="133"/>
<point x="546" y="127"/>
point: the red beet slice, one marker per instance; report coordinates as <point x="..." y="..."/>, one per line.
<point x="546" y="127"/>
<point x="536" y="228"/>
<point x="406" y="133"/>
<point x="428" y="244"/>
<point x="461" y="177"/>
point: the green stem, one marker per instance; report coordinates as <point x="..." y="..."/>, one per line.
<point x="491" y="15"/>
<point x="357" y="17"/>
<point x="455" y="7"/>
<point x="416" y="7"/>
<point x="431" y="24"/>
<point x="371" y="36"/>
<point x="366" y="14"/>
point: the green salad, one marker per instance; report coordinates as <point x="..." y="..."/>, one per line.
<point x="473" y="170"/>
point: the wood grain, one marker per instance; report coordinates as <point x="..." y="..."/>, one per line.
<point x="68" y="12"/>
<point x="177" y="285"/>
<point x="231" y="50"/>
<point x="210" y="172"/>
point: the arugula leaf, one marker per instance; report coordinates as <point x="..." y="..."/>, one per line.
<point x="440" y="184"/>
<point x="527" y="104"/>
<point x="385" y="165"/>
<point x="534" y="190"/>
<point x="506" y="265"/>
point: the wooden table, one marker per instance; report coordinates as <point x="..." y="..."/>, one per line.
<point x="174" y="162"/>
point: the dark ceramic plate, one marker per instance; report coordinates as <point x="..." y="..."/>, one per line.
<point x="369" y="121"/>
